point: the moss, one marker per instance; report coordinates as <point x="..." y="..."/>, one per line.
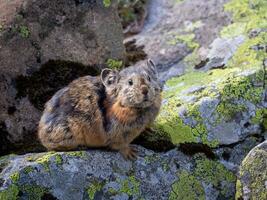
<point x="93" y="189"/>
<point x="15" y="177"/>
<point x="114" y="64"/>
<point x="24" y="31"/>
<point x="11" y="193"/>
<point x="187" y="188"/>
<point x="41" y="85"/>
<point x="107" y="3"/>
<point x="130" y="186"/>
<point x="260" y="117"/>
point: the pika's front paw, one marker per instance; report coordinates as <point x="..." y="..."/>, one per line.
<point x="129" y="153"/>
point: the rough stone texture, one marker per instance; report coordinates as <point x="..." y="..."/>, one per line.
<point x="175" y="29"/>
<point x="252" y="181"/>
<point x="34" y="32"/>
<point x="227" y="105"/>
<point x="106" y="175"/>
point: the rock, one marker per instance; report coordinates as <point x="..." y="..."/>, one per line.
<point x="231" y="104"/>
<point x="44" y="46"/>
<point x="106" y="175"/>
<point x="175" y="29"/>
<point x="252" y="181"/>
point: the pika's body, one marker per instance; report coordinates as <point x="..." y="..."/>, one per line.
<point x="106" y="111"/>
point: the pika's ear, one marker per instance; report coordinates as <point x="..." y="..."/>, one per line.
<point x="109" y="77"/>
<point x="152" y="68"/>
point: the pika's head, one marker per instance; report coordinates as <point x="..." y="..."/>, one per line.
<point x="136" y="87"/>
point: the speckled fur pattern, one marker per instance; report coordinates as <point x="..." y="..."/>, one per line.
<point x="106" y="111"/>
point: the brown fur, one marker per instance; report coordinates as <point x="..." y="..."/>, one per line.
<point x="89" y="112"/>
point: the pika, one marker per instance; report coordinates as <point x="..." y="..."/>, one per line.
<point x="110" y="110"/>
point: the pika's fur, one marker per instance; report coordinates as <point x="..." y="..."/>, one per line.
<point x="106" y="111"/>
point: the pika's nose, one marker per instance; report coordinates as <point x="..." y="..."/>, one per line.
<point x="144" y="90"/>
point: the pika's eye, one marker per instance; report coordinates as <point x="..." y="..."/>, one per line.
<point x="148" y="78"/>
<point x="130" y="81"/>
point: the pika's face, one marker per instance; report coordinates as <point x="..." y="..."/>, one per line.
<point x="136" y="87"/>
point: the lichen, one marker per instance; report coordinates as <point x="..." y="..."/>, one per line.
<point x="187" y="188"/>
<point x="94" y="187"/>
<point x="45" y="159"/>
<point x="11" y="193"/>
<point x="79" y="154"/>
<point x="130" y="186"/>
<point x="28" y="169"/>
<point x="15" y="177"/>
<point x="253" y="173"/>
<point x="33" y="192"/>
<point x="187" y="39"/>
<point x="238" y="193"/>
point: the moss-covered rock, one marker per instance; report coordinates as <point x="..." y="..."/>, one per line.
<point x="251" y="183"/>
<point x="98" y="174"/>
<point x="221" y="106"/>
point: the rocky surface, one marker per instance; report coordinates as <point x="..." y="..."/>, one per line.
<point x="212" y="57"/>
<point x="106" y="175"/>
<point x="252" y="181"/>
<point x="43" y="46"/>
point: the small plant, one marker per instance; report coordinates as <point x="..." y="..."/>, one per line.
<point x="24" y="31"/>
<point x="114" y="64"/>
<point x="106" y="3"/>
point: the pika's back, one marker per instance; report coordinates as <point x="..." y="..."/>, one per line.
<point x="81" y="101"/>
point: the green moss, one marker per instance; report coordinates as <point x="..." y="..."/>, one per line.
<point x="93" y="189"/>
<point x="114" y="64"/>
<point x="107" y="3"/>
<point x="24" y="31"/>
<point x="11" y="193"/>
<point x="15" y="177"/>
<point x="260" y="117"/>
<point x="130" y="186"/>
<point x="187" y="188"/>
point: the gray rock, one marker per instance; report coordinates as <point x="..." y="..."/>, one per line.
<point x="106" y="175"/>
<point x="35" y="32"/>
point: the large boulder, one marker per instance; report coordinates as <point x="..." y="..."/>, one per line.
<point x="106" y="175"/>
<point x="43" y="46"/>
<point x="224" y="101"/>
<point x="252" y="181"/>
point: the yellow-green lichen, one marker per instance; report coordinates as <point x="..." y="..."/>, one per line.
<point x="260" y="117"/>
<point x="187" y="39"/>
<point x="15" y="177"/>
<point x="28" y="169"/>
<point x="130" y="186"/>
<point x="45" y="159"/>
<point x="94" y="187"/>
<point x="212" y="172"/>
<point x="79" y="154"/>
<point x="187" y="188"/>
<point x="114" y="64"/>
<point x="254" y="174"/>
<point x="33" y="192"/>
<point x="11" y="193"/>
<point x="238" y="193"/>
